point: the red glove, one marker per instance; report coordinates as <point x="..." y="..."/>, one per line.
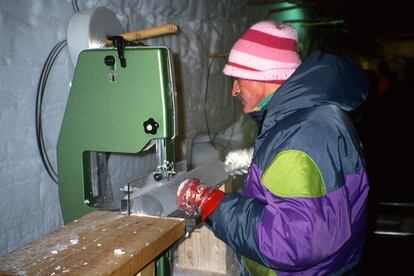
<point x="196" y="198"/>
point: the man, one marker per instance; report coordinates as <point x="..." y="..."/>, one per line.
<point x="303" y="206"/>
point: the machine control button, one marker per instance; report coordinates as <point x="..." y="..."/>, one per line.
<point x="109" y="61"/>
<point x="151" y="126"/>
<point x="157" y="176"/>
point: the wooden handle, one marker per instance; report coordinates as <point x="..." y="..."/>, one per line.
<point x="147" y="33"/>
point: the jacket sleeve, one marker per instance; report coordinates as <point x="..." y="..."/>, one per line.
<point x="234" y="222"/>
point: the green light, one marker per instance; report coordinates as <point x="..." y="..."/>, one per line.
<point x="287" y="11"/>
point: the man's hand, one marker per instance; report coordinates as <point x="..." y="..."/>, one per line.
<point x="237" y="162"/>
<point x="196" y="198"/>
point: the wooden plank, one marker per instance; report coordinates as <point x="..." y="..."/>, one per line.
<point x="149" y="270"/>
<point x="87" y="246"/>
<point x="202" y="251"/>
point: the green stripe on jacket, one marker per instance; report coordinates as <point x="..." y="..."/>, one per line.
<point x="293" y="173"/>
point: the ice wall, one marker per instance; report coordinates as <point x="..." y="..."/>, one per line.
<point x="29" y="201"/>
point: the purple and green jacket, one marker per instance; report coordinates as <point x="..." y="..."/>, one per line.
<point x="303" y="207"/>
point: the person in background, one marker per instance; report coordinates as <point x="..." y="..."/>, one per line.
<point x="303" y="206"/>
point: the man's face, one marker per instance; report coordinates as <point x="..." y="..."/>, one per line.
<point x="250" y="92"/>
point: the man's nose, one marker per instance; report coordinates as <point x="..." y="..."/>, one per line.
<point x="235" y="91"/>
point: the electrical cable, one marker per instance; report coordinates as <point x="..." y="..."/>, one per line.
<point x="206" y="111"/>
<point x="47" y="66"/>
<point x="75" y="6"/>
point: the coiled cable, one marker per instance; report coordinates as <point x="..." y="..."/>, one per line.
<point x="47" y="66"/>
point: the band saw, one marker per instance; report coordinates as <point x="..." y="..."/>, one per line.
<point x="122" y="100"/>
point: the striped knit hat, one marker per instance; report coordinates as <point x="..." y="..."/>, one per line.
<point x="266" y="52"/>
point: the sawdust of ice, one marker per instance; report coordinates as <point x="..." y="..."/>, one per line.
<point x="119" y="251"/>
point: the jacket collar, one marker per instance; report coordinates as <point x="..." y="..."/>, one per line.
<point x="322" y="79"/>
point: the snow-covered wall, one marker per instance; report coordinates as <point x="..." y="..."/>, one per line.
<point x="29" y="201"/>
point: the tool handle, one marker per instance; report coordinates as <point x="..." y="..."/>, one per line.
<point x="147" y="33"/>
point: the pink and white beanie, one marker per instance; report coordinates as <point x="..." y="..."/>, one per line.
<point x="266" y="52"/>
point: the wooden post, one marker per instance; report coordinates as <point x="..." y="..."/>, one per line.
<point x="204" y="252"/>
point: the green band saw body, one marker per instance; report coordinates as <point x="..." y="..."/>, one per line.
<point x="112" y="109"/>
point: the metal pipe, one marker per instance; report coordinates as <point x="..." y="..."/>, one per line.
<point x="393" y="233"/>
<point x="397" y="204"/>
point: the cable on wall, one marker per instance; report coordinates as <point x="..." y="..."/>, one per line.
<point x="41" y="86"/>
<point x="47" y="66"/>
<point x="213" y="58"/>
<point x="75" y="6"/>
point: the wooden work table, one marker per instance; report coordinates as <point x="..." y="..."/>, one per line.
<point x="100" y="243"/>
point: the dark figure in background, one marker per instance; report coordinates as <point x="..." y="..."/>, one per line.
<point x="383" y="123"/>
<point x="383" y="129"/>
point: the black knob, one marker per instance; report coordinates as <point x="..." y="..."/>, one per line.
<point x="151" y="126"/>
<point x="157" y="176"/>
<point x="109" y="61"/>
